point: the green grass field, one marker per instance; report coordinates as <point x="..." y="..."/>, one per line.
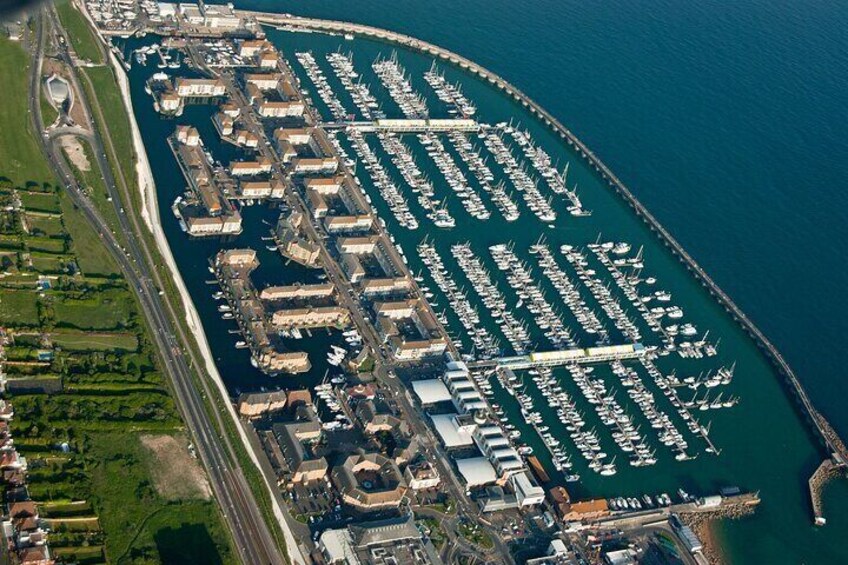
<point x="82" y="38"/>
<point x="140" y="524"/>
<point x="48" y="112"/>
<point x="93" y="181"/>
<point x="21" y="160"/>
<point x="109" y="98"/>
<point x="89" y="555"/>
<point x="106" y="310"/>
<point x="65" y="510"/>
<point x="90" y="341"/>
<point x="45" y="244"/>
<point x="49" y="264"/>
<point x="40" y="201"/>
<point x="19" y="307"/>
<point x="50" y="226"/>
<point x="92" y="256"/>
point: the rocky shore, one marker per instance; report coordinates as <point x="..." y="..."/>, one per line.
<point x="703" y="523"/>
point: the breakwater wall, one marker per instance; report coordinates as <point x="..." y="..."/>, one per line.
<point x="823" y="431"/>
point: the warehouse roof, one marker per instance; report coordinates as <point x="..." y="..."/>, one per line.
<point x="450" y="432"/>
<point x="431" y="391"/>
<point x="476" y="471"/>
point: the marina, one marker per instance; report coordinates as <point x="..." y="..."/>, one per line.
<point x="502" y="292"/>
<point x="605" y="288"/>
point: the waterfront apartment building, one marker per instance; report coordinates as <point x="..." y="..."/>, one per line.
<point x="224" y="123"/>
<point x="188" y="135"/>
<point x="263" y="81"/>
<point x="311" y="317"/>
<point x="245" y="138"/>
<point x="386" y="286"/>
<point x="250" y="168"/>
<point x="298" y="291"/>
<point x="292" y="245"/>
<point x="293" y="362"/>
<point x="200" y="87"/>
<point x="314" y="165"/>
<point x="237" y="257"/>
<point x="253" y="405"/>
<point x="358" y="245"/>
<point x="269" y="60"/>
<point x="214" y="225"/>
<point x="169" y="101"/>
<point x="348" y="224"/>
<point x="413" y="350"/>
<point x="250" y="48"/>
<point x="277" y="109"/>
<point x="260" y="189"/>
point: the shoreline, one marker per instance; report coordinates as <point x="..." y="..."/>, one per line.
<point x="712" y="551"/>
<point x="705" y="525"/>
<point x="151" y="218"/>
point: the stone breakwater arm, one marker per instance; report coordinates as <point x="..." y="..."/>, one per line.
<point x="835" y="448"/>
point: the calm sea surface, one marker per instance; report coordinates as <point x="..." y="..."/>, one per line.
<point x="728" y="122"/>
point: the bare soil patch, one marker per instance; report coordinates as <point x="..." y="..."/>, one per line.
<point x="176" y="474"/>
<point x="74" y="151"/>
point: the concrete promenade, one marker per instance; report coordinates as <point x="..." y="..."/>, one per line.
<point x="835" y="449"/>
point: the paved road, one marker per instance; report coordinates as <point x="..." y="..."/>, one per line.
<point x="253" y="540"/>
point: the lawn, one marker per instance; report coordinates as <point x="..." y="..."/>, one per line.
<point x="112" y="105"/>
<point x="93" y="181"/>
<point x="66" y="510"/>
<point x="21" y="160"/>
<point x="92" y="255"/>
<point x="139" y="524"/>
<point x="40" y="201"/>
<point x="19" y="307"/>
<point x="89" y="341"/>
<point x="46" y="225"/>
<point x="45" y="244"/>
<point x="82" y="38"/>
<point x="48" y="112"/>
<point x="81" y="555"/>
<point x="105" y="310"/>
<point x="49" y="264"/>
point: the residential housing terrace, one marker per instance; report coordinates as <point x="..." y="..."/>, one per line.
<point x="233" y="268"/>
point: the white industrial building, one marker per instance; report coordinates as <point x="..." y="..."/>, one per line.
<point x="452" y="433"/>
<point x="431" y="391"/>
<point x="527" y="492"/>
<point x="476" y="471"/>
<point x="464" y="392"/>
